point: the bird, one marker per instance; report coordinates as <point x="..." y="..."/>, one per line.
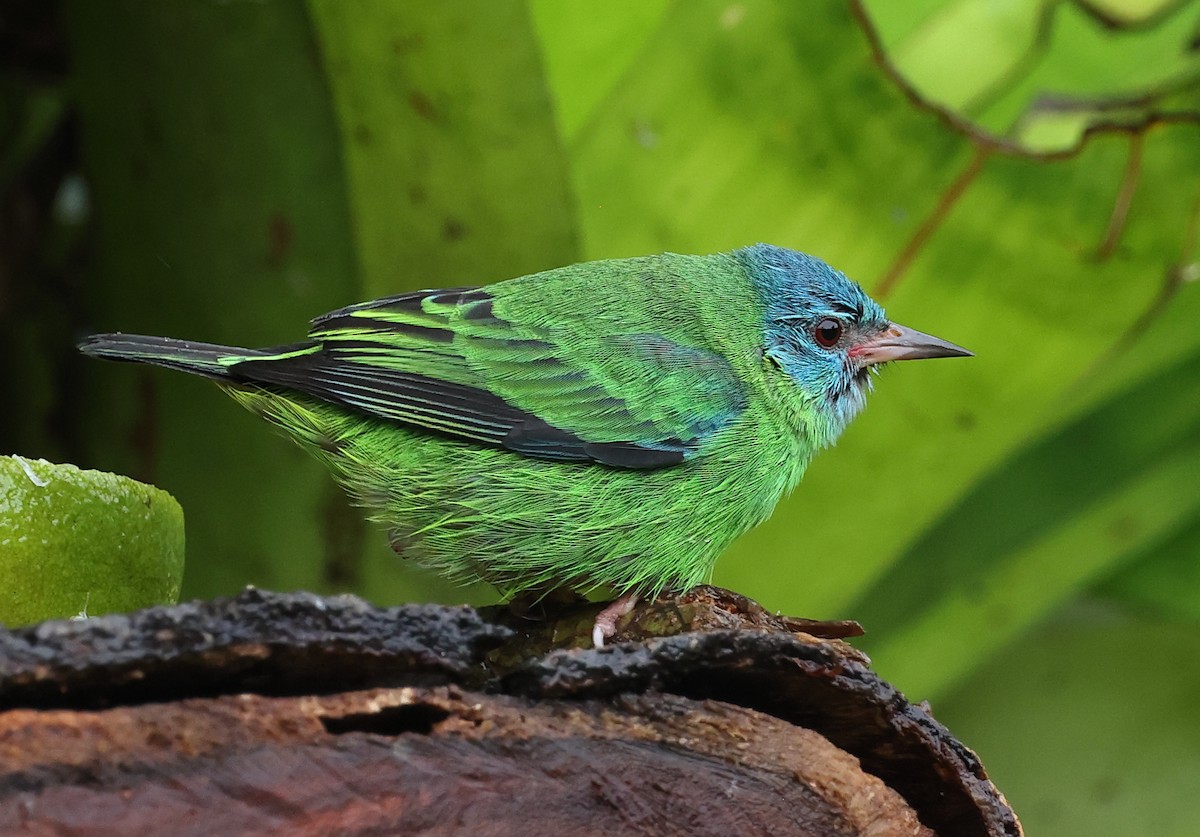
<point x="610" y="425"/>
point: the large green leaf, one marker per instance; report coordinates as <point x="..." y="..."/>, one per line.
<point x="1163" y="577"/>
<point x="454" y="176"/>
<point x="1038" y="73"/>
<point x="587" y="54"/>
<point x="1059" y="516"/>
<point x="779" y="125"/>
<point x="1089" y="726"/>
<point x="220" y="215"/>
<point x="254" y="166"/>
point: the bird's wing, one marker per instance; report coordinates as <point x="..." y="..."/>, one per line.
<point x="450" y="362"/>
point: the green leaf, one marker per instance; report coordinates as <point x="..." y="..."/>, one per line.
<point x="781" y="127"/>
<point x="1089" y="726"/>
<point x="1011" y="269"/>
<point x="255" y="165"/>
<point x="455" y="173"/>
<point x="1040" y="73"/>
<point x="1163" y="578"/>
<point x="214" y="161"/>
<point x="1059" y="517"/>
<point x="587" y="54"/>
<point x="213" y="157"/>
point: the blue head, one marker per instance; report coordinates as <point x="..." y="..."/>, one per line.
<point x="827" y="335"/>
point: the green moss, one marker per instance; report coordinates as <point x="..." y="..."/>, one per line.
<point x="75" y="541"/>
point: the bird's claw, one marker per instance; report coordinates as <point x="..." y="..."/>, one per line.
<point x="606" y="620"/>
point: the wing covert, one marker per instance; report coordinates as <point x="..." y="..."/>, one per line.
<point x="449" y="361"/>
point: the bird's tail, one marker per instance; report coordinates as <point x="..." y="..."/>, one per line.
<point x="206" y="359"/>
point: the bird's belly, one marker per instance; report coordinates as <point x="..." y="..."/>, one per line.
<point x="476" y="513"/>
<point x="518" y="522"/>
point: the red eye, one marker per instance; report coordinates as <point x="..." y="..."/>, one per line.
<point x="828" y="332"/>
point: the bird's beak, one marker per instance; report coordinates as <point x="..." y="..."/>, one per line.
<point x="899" y="343"/>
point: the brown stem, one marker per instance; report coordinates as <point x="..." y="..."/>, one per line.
<point x="892" y="276"/>
<point x="1120" y="211"/>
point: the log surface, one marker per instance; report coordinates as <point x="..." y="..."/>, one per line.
<point x="301" y="714"/>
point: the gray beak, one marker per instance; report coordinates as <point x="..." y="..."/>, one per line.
<point x="899" y="343"/>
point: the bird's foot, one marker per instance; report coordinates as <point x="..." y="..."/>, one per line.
<point x="606" y="620"/>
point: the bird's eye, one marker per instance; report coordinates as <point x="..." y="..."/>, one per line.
<point x="827" y="332"/>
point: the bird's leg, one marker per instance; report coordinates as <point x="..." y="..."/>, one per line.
<point x="606" y="620"/>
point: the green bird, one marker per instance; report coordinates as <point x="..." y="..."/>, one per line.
<point x="614" y="424"/>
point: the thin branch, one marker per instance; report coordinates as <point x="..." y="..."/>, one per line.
<point x="892" y="276"/>
<point x="1120" y="211"/>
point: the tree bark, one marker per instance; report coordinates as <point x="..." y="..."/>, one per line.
<point x="300" y="714"/>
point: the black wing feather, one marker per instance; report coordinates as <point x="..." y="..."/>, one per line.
<point x="337" y="366"/>
<point x="451" y="409"/>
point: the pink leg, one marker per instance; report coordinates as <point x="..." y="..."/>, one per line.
<point x="606" y="620"/>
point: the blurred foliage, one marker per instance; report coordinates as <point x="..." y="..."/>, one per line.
<point x="1085" y="726"/>
<point x="1039" y="73"/>
<point x="1019" y="177"/>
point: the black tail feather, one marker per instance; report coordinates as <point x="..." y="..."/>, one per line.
<point x="206" y="359"/>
